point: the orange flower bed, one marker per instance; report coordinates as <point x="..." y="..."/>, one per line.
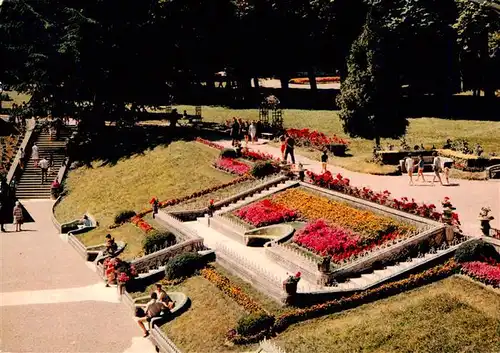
<point x="319" y="80"/>
<point x="370" y="226"/>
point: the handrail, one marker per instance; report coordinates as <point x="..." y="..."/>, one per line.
<point x="30" y="128"/>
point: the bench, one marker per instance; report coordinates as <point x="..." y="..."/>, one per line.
<point x="427" y="163"/>
<point x="75" y="227"/>
<point x="268" y="136"/>
<point x="493" y="172"/>
<point x="180" y="302"/>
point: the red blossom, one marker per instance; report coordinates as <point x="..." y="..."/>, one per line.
<point x="232" y="166"/>
<point x="265" y="213"/>
<point x="483" y="272"/>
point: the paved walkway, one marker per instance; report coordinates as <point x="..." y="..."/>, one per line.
<point x="468" y="196"/>
<point x="50" y="301"/>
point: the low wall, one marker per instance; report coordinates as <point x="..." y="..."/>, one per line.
<point x="55" y="222"/>
<point x="28" y="140"/>
<point x="294" y="262"/>
<point x="470" y="161"/>
<point x="78" y="246"/>
<point x="393" y="157"/>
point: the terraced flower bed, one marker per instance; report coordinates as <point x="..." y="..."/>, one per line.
<point x="334" y="228"/>
<point x="232" y="166"/>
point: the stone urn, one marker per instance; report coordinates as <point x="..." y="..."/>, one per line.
<point x="485" y="220"/>
<point x="290" y="287"/>
<point x="324" y="265"/>
<point x="449" y="233"/>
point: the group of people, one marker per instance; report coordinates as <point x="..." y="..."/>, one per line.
<point x="438" y="167"/>
<point x="160" y="304"/>
<point x="287" y="147"/>
<point x="44" y="164"/>
<point x="244" y="130"/>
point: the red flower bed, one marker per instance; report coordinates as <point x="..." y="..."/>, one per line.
<point x="316" y="139"/>
<point x="232" y="166"/>
<point x="341" y="184"/>
<point x="258" y="156"/>
<point x="305" y="80"/>
<point x="209" y="143"/>
<point x="334" y="241"/>
<point x="265" y="212"/>
<point x="483" y="272"/>
<point x="141" y="223"/>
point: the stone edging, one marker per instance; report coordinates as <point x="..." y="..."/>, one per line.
<point x="28" y="136"/>
<point x="55" y="222"/>
<point x="485" y="286"/>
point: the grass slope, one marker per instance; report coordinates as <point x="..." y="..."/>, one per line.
<point x="453" y="315"/>
<point x="428" y="131"/>
<point x="177" y="170"/>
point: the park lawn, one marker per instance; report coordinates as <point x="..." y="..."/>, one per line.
<point x="203" y="327"/>
<point x="453" y="315"/>
<point x="426" y="131"/>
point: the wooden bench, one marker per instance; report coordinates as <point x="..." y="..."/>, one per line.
<point x="268" y="136"/>
<point x="493" y="172"/>
<point x="75" y="227"/>
<point x="180" y="302"/>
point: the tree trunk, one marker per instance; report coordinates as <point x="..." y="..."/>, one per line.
<point x="256" y="82"/>
<point x="312" y="80"/>
<point x="377" y="141"/>
<point x="284" y="81"/>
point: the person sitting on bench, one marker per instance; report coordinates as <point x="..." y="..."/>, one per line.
<point x="111" y="246"/>
<point x="85" y="222"/>
<point x="153" y="309"/>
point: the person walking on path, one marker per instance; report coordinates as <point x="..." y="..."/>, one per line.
<point x="436" y="166"/>
<point x="156" y="205"/>
<point x="409" y="164"/>
<point x="420" y="167"/>
<point x="324" y="161"/>
<point x="283" y="145"/>
<point x="44" y="167"/>
<point x="34" y="155"/>
<point x="235" y="131"/>
<point x="18" y="216"/>
<point x="252" y="130"/>
<point x="290" y="145"/>
<point x="22" y="156"/>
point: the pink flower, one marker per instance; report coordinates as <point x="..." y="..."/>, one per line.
<point x="232" y="166"/>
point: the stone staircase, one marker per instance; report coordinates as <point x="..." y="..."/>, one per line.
<point x="29" y="186"/>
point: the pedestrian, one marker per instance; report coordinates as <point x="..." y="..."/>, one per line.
<point x="155" y="206"/>
<point x="324" y="161"/>
<point x="283" y="145"/>
<point x="436" y="166"/>
<point x="51" y="163"/>
<point x="44" y="166"/>
<point x="252" y="130"/>
<point x="18" y="216"/>
<point x="235" y="131"/>
<point x="447" y="167"/>
<point x="22" y="156"/>
<point x="409" y="164"/>
<point x="420" y="167"/>
<point x="290" y="145"/>
<point x="34" y="155"/>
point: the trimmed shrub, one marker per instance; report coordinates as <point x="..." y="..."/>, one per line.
<point x="157" y="240"/>
<point x="123" y="216"/>
<point x="183" y="265"/>
<point x="475" y="250"/>
<point x="262" y="169"/>
<point x="228" y="153"/>
<point x="253" y="324"/>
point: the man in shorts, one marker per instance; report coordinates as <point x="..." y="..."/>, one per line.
<point x="410" y="165"/>
<point x="436" y="166"/>
<point x="153" y="309"/>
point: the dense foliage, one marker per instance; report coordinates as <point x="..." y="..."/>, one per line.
<point x="183" y="265"/>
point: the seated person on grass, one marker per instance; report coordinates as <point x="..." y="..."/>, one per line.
<point x="153" y="309"/>
<point x="111" y="246"/>
<point x="85" y="222"/>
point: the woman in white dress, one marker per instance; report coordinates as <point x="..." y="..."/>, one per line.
<point x="252" y="130"/>
<point x="34" y="155"/>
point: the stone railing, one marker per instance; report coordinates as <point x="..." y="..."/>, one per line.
<point x="175" y="223"/>
<point x="261" y="278"/>
<point x="270" y="347"/>
<point x="162" y="342"/>
<point x="55" y="222"/>
<point x="155" y="260"/>
<point x="294" y="261"/>
<point x="28" y="139"/>
<point x="80" y="248"/>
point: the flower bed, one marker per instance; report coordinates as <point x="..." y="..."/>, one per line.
<point x="266" y="212"/>
<point x="225" y="285"/>
<point x="247" y="154"/>
<point x="172" y="202"/>
<point x="336" y="242"/>
<point x="341" y="184"/>
<point x="369" y="226"/>
<point x="483" y="272"/>
<point x="319" y="80"/>
<point x="210" y="143"/>
<point x="232" y="166"/>
<point x="316" y="139"/>
<point x="291" y="317"/>
<point x="142" y="224"/>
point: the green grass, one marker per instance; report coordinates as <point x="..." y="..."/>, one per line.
<point x="453" y="315"/>
<point x="16" y="98"/>
<point x="174" y="171"/>
<point x="203" y="327"/>
<point x="427" y="131"/>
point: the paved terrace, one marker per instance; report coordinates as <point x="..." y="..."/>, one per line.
<point x="50" y="301"/>
<point x="468" y="196"/>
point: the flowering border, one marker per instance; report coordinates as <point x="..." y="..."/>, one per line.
<point x="319" y="80"/>
<point x="142" y="224"/>
<point x="230" y="165"/>
<point x="386" y="290"/>
<point x="247" y="154"/>
<point x="484" y="272"/>
<point x="227" y="287"/>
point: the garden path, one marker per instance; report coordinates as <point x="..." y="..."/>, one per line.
<point x="50" y="301"/>
<point x="468" y="196"/>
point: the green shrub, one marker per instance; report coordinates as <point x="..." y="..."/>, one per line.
<point x="124" y="216"/>
<point x="475" y="250"/>
<point x="183" y="265"/>
<point x="254" y="323"/>
<point x="263" y="168"/>
<point x="156" y="241"/>
<point x="228" y="153"/>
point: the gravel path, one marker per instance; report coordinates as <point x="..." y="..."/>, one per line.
<point x="50" y="301"/>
